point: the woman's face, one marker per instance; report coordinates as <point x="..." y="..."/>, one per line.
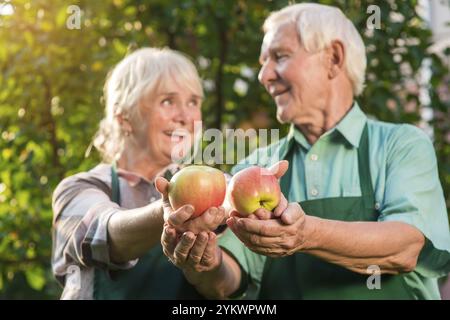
<point x="170" y="115"/>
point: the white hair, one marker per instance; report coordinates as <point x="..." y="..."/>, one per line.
<point x="146" y="70"/>
<point x="317" y="26"/>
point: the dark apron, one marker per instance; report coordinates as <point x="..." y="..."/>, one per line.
<point x="153" y="277"/>
<point x="303" y="276"/>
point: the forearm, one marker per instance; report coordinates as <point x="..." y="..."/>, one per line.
<point x="393" y="246"/>
<point x="219" y="283"/>
<point x="133" y="232"/>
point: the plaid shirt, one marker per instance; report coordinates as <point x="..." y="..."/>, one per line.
<point x="82" y="206"/>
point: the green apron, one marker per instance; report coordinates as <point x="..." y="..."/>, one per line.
<point x="303" y="276"/>
<point x="153" y="277"/>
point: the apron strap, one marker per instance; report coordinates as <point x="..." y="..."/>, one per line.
<point x="115" y="189"/>
<point x="365" y="179"/>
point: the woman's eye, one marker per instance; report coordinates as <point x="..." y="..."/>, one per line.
<point x="193" y="103"/>
<point x="166" y="103"/>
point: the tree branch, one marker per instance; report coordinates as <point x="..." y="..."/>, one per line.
<point x="223" y="54"/>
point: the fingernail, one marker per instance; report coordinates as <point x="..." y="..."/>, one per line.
<point x="189" y="209"/>
<point x="188" y="236"/>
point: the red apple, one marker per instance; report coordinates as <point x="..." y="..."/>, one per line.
<point x="200" y="186"/>
<point x="254" y="188"/>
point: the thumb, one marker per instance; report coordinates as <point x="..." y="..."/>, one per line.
<point x="162" y="185"/>
<point x="279" y="168"/>
<point x="292" y="213"/>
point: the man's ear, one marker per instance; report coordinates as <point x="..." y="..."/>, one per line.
<point x="336" y="57"/>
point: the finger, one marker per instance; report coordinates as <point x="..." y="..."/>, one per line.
<point x="292" y="213"/>
<point x="263" y="214"/>
<point x="220" y="217"/>
<point x="208" y="218"/>
<point x="204" y="222"/>
<point x="269" y="252"/>
<point x="180" y="216"/>
<point x="210" y="253"/>
<point x="169" y="239"/>
<point x="255" y="241"/>
<point x="196" y="254"/>
<point x="279" y="168"/>
<point x="252" y="241"/>
<point x="217" y="219"/>
<point x="236" y="214"/>
<point x="162" y="186"/>
<point x="281" y="206"/>
<point x="267" y="228"/>
<point x="183" y="247"/>
<point x="230" y="221"/>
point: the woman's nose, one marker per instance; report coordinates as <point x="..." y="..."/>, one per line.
<point x="182" y="115"/>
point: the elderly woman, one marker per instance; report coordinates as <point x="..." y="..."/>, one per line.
<point x="108" y="221"/>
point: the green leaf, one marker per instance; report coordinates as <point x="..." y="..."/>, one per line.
<point x="35" y="278"/>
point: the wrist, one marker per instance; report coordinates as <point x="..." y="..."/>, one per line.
<point x="312" y="231"/>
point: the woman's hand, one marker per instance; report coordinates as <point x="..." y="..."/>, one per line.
<point x="213" y="272"/>
<point x="180" y="219"/>
<point x="191" y="252"/>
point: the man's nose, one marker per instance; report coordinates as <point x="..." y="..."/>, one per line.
<point x="267" y="73"/>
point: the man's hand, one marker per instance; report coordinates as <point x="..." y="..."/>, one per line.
<point x="198" y="253"/>
<point x="277" y="237"/>
<point x="181" y="220"/>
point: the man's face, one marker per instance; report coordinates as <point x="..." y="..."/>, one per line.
<point x="297" y="80"/>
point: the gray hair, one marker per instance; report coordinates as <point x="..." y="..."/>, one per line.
<point x="317" y="26"/>
<point x="145" y="70"/>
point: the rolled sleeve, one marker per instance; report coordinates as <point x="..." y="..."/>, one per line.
<point x="93" y="249"/>
<point x="413" y="195"/>
<point x="80" y="229"/>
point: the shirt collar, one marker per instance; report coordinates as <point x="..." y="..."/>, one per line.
<point x="299" y="137"/>
<point x="350" y="127"/>
<point x="134" y="179"/>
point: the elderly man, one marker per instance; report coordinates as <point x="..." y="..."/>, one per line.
<point x="363" y="195"/>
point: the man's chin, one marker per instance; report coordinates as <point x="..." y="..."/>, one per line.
<point x="282" y="115"/>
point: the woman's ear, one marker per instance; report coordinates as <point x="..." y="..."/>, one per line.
<point x="336" y="56"/>
<point x="124" y="123"/>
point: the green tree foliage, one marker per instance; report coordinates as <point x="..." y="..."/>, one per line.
<point x="51" y="80"/>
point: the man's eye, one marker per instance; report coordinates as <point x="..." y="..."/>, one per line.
<point x="279" y="57"/>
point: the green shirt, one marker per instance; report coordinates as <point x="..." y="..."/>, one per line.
<point x="404" y="175"/>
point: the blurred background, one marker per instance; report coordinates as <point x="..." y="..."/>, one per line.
<point x="55" y="55"/>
